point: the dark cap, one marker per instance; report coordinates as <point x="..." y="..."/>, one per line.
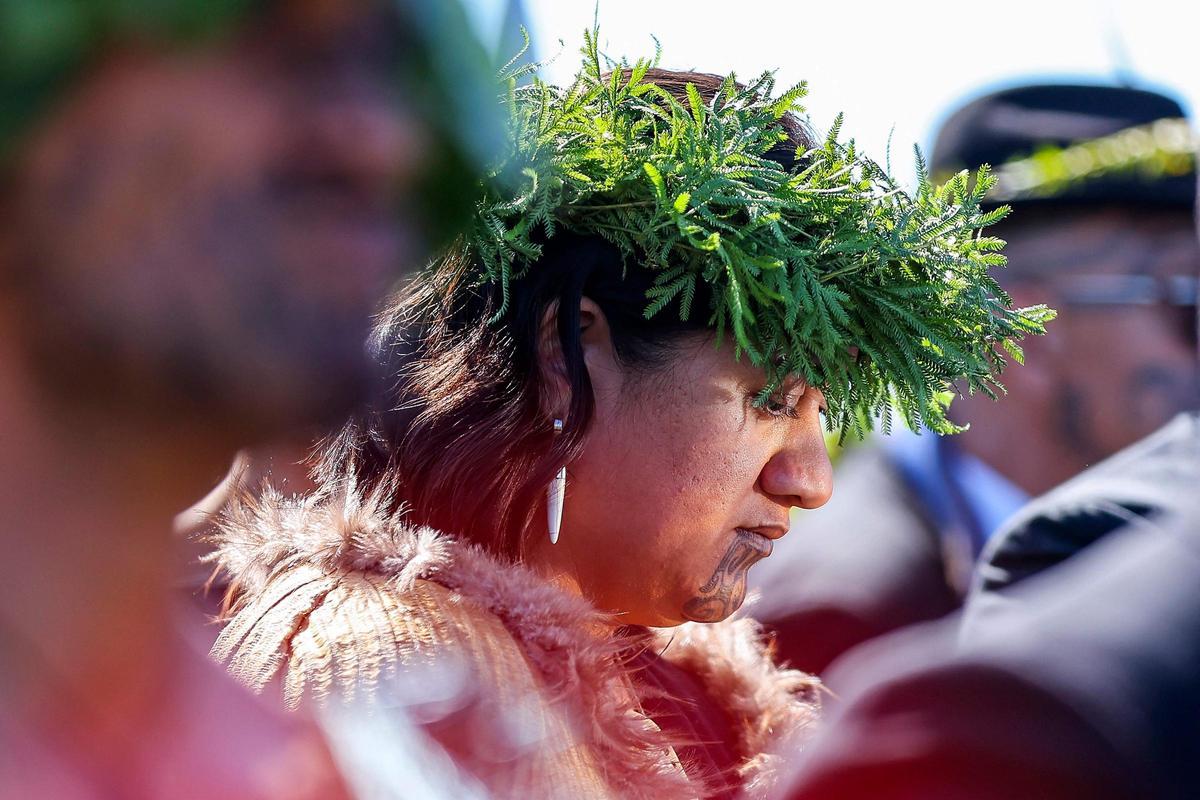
<point x="1017" y="123"/>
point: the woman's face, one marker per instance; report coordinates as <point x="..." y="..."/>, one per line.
<point x="683" y="483"/>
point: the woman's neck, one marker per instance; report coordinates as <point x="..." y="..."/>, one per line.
<point x="550" y="562"/>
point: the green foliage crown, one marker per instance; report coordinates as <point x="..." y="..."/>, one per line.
<point x="829" y="270"/>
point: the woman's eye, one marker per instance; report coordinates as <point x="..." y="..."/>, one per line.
<point x="779" y="407"/>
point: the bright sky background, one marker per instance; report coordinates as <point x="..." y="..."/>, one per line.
<point x="899" y="64"/>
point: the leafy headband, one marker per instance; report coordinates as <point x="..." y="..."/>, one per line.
<point x="828" y="270"/>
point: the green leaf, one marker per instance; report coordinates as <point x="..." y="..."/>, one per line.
<point x="697" y="105"/>
<point x="656" y="178"/>
<point x="829" y="269"/>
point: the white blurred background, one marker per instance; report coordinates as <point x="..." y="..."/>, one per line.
<point x="893" y="68"/>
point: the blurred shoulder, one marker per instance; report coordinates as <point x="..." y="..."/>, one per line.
<point x="1086" y="688"/>
<point x="1151" y="479"/>
<point x="962" y="727"/>
<point x="1152" y="474"/>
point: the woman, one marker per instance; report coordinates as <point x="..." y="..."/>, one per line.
<point x="604" y="402"/>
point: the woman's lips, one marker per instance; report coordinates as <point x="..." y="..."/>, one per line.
<point x="759" y="541"/>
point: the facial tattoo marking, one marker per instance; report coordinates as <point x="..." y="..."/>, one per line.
<point x="726" y="589"/>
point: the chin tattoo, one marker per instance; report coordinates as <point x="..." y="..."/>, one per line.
<point x="726" y="589"/>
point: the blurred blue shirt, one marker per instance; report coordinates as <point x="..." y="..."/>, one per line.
<point x="962" y="495"/>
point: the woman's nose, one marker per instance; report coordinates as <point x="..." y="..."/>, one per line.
<point x="801" y="474"/>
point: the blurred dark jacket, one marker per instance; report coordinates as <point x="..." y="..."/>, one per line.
<point x="894" y="546"/>
<point x="1152" y="477"/>
<point x="1085" y="685"/>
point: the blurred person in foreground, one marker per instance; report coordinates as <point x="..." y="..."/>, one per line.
<point x="202" y="205"/>
<point x="604" y="401"/>
<point x="1117" y="254"/>
<point x="1073" y="671"/>
<point x="1085" y="687"/>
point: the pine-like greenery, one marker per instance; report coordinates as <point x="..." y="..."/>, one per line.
<point x="830" y="271"/>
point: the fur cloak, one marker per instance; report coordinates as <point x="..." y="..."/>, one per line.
<point x="522" y="683"/>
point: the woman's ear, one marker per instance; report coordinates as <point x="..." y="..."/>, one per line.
<point x="595" y="335"/>
<point x="594" y="340"/>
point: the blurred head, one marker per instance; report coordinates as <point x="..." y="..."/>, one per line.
<point x="676" y="481"/>
<point x="205" y="229"/>
<point x="1116" y="255"/>
<point x="1122" y="360"/>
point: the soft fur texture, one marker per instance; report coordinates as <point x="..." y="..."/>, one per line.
<point x="307" y="570"/>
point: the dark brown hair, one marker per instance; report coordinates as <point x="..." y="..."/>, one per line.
<point x="462" y="436"/>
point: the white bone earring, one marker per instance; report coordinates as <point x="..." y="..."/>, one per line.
<point x="555" y="494"/>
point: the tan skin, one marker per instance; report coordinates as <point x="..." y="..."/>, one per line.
<point x="683" y="482"/>
<point x="1102" y="377"/>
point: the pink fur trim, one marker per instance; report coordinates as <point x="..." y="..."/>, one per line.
<point x="774" y="709"/>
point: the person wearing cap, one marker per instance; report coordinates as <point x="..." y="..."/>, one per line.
<point x="1116" y="253"/>
<point x="201" y="205"/>
<point x="1071" y="672"/>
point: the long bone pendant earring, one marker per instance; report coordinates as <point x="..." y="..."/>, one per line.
<point x="555" y="493"/>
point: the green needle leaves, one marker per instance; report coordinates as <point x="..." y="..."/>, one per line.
<point x="829" y="270"/>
